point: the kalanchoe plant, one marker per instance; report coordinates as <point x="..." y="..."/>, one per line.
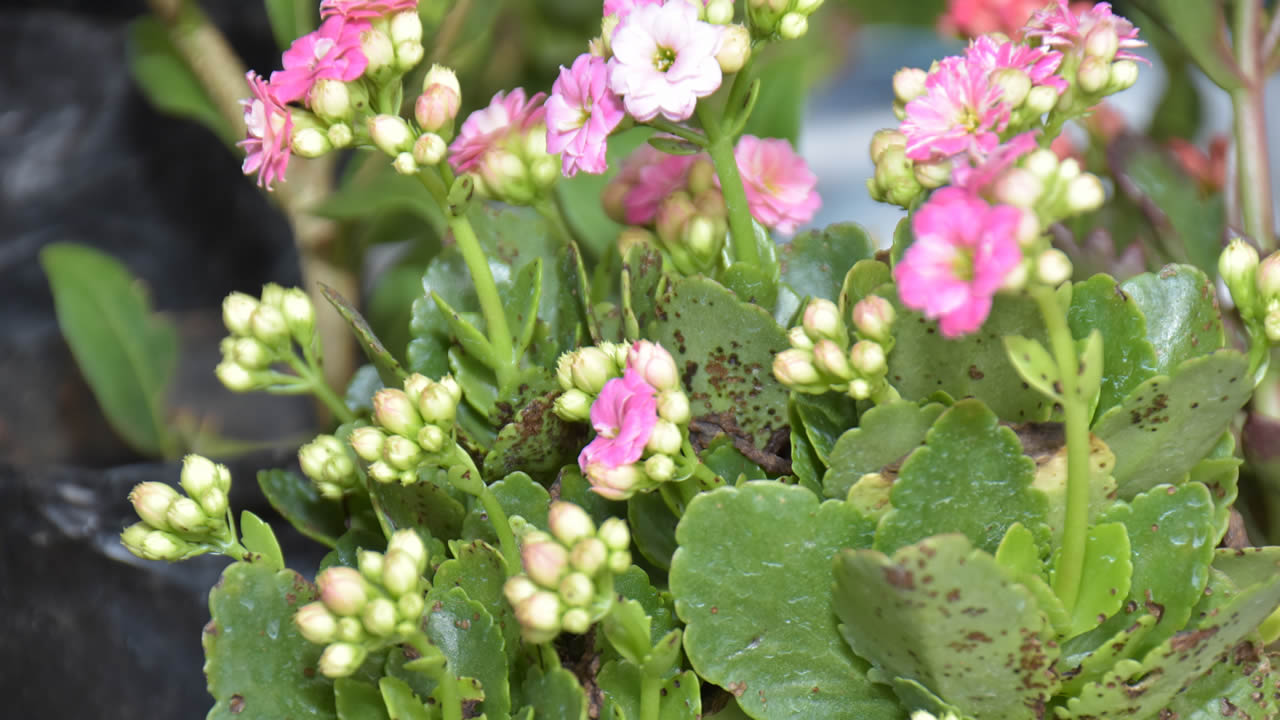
<point x="722" y="477"/>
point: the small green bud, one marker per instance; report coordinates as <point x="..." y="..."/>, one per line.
<point x="539" y="617"/>
<point x="370" y="565"/>
<point x="331" y="100"/>
<point x="429" y="149"/>
<point x="431" y="438"/>
<point x="410" y="543"/>
<point x="410" y="607"/>
<point x="342" y="590"/>
<point x="1245" y="277"/>
<point x="367" y="442"/>
<point x="573" y="405"/>
<point x="214" y="503"/>
<point x="438" y="405"/>
<point x="544" y="562"/>
<point x="316" y="623"/>
<point x="1124" y="73"/>
<point x="576" y="589"/>
<point x="340" y="135"/>
<point x="1271" y="325"/>
<point x="1014" y="84"/>
<point x="614" y="534"/>
<point x="390" y="133"/>
<point x="831" y="359"/>
<point x="1085" y="193"/>
<point x="1019" y="187"/>
<point x="591" y="368"/>
<point x="619" y="561"/>
<point x="569" y="523"/>
<point x="134" y="536"/>
<point x="1040" y="100"/>
<point x="160" y="545"/>
<point x="237" y="311"/>
<point x="660" y="467"/>
<point x="401" y="453"/>
<point x="1093" y="74"/>
<point x="235" y="377"/>
<point x="404" y="164"/>
<point x="735" y="48"/>
<point x="379" y="617"/>
<point x="720" y="12"/>
<point x="822" y="321"/>
<point x="299" y="315"/>
<point x="251" y="353"/>
<point x="341" y="659"/>
<point x="151" y="500"/>
<point x="310" y="142"/>
<point x="799" y="339"/>
<point x="268" y="325"/>
<point x="795" y="367"/>
<point x="665" y="438"/>
<point x="380" y="52"/>
<point x="885" y="139"/>
<point x="589" y="555"/>
<point x="673" y="406"/>
<point x="383" y="473"/>
<point x="793" y="26"/>
<point x="576" y="621"/>
<point x="518" y="588"/>
<point x="932" y="174"/>
<point x="400" y="573"/>
<point x="867" y="357"/>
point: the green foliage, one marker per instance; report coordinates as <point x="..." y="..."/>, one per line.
<point x="258" y="538"/>
<point x="743" y="553"/>
<point x="1180" y="307"/>
<point x="517" y="494"/>
<point x="885" y="435"/>
<point x="653" y="528"/>
<point x="620" y="683"/>
<point x="389" y="370"/>
<point x="1200" y="28"/>
<point x="815" y="261"/>
<point x="479" y="570"/>
<point x="1105" y="579"/>
<point x="168" y="82"/>
<point x="290" y="19"/>
<point x="473" y="644"/>
<point x="127" y="354"/>
<point x="554" y="694"/>
<point x="423" y="506"/>
<point x="358" y="700"/>
<point x="537" y="441"/>
<point x="1128" y="357"/>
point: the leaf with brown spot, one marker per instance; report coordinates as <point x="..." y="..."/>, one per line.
<point x="537" y="441"/>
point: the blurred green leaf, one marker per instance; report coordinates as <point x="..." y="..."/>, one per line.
<point x="167" y="82"/>
<point x="915" y="12"/>
<point x="388" y="368"/>
<point x="1202" y="30"/>
<point x="290" y="19"/>
<point x="127" y="354"/>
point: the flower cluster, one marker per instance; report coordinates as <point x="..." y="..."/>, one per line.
<point x="504" y="148"/>
<point x="633" y="399"/>
<point x="413" y="425"/>
<point x="174" y="527"/>
<point x="821" y="358"/>
<point x="567" y="583"/>
<point x="787" y="18"/>
<point x="361" y="46"/>
<point x="326" y="462"/>
<point x="369" y="608"/>
<point x="262" y="332"/>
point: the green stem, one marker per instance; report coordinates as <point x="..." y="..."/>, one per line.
<point x="446" y="684"/>
<point x="548" y="654"/>
<point x="492" y="508"/>
<point x="387" y="532"/>
<point x="550" y="211"/>
<point x="650" y="695"/>
<point x="680" y="131"/>
<point x="1253" y="182"/>
<point x="316" y="382"/>
<point x="735" y="195"/>
<point x="1070" y="567"/>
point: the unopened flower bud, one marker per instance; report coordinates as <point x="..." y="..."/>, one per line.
<point x="654" y="364"/>
<point x="133" y="537"/>
<point x="390" y="133"/>
<point x="908" y="84"/>
<point x="576" y="589"/>
<point x="237" y="313"/>
<point x="702" y="177"/>
<point x="214" y="502"/>
<point x="341" y="659"/>
<point x="394" y="411"/>
<point x="342" y="590"/>
<point x="617" y="483"/>
<point x="795" y="367"/>
<point x="518" y="588"/>
<point x="331" y="100"/>
<point x="806" y="7"/>
<point x="505" y="177"/>
<point x="1124" y="73"/>
<point x="431" y="438"/>
<point x="444" y="76"/>
<point x="415" y="384"/>
<point x="370" y="565"/>
<point x="1053" y="267"/>
<point x="799" y="339"/>
<point x="701" y="239"/>
<point x="406" y="27"/>
<point x="1085" y="193"/>
<point x="882" y="140"/>
<point x="576" y="621"/>
<point x="1041" y="99"/>
<point x="410" y="543"/>
<point x="1268" y="275"/>
<point x="589" y="555"/>
<point x="719" y="12"/>
<point x="351" y="630"/>
<point x="660" y="468"/>
<point x="151" y="500"/>
<point x="1241" y="271"/>
<point x="544" y="562"/>
<point x="673" y="406"/>
<point x="235" y="377"/>
<point x="272" y="294"/>
<point x="310" y="142"/>
<point x="379" y="617"/>
<point x="382" y="472"/>
<point x="613" y="532"/>
<point x="452" y="387"/>
<point x="1093" y="74"/>
<point x="665" y="438"/>
<point x="831" y="359"/>
<point x="401" y="453"/>
<point x="591" y="368"/>
<point x="860" y="389"/>
<point x="1041" y="163"/>
<point x="268" y="325"/>
<point x="1014" y="85"/>
<point x="573" y="405"/>
<point x="430" y="149"/>
<point x="379" y="51"/>
<point x="867" y="357"/>
<point x="299" y="314"/>
<point x="539" y="616"/>
<point x="1271" y="325"/>
<point x="1102" y="42"/>
<point x="251" y="353"/>
<point x="793" y="26"/>
<point x="569" y="523"/>
<point x="367" y="442"/>
<point x="316" y="623"/>
<point x="822" y="320"/>
<point x="160" y="545"/>
<point x="404" y="164"/>
<point x="437" y="405"/>
<point x="735" y="47"/>
<point x="340" y="135"/>
<point x="410" y="607"/>
<point x="1018" y="187"/>
<point x="619" y="561"/>
<point x="618" y="353"/>
<point x="873" y="317"/>
<point x="933" y="174"/>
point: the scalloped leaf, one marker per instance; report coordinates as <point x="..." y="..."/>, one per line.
<point x="554" y="694"/>
<point x="923" y="362"/>
<point x="252" y="607"/>
<point x="1233" y="687"/>
<point x="815" y="262"/>
<point x="951" y="618"/>
<point x="259" y="539"/>
<point x="422" y="506"/>
<point x="478" y="568"/>
<point x="641" y="280"/>
<point x="863" y="279"/>
<point x="1106" y="577"/>
<point x="1169" y="423"/>
<point x="401" y="701"/>
<point x="747" y="581"/>
<point x="724" y="349"/>
<point x="517" y="494"/>
<point x="298" y="501"/>
<point x="681" y="697"/>
<point x="1128" y="357"/>
<point x="358" y="700"/>
<point x="970" y="477"/>
<point x="653" y="528"/>
<point x="1181" y="309"/>
<point x="472" y="642"/>
<point x="537" y="441"/>
<point x="884" y="436"/>
<point x="825" y="418"/>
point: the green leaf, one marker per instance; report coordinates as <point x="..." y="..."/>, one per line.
<point x="825" y="418"/>
<point x="653" y="528"/>
<point x="364" y="384"/>
<point x="480" y="571"/>
<point x="290" y="19"/>
<point x="1019" y="553"/>
<point x="521" y="303"/>
<point x="1246" y="567"/>
<point x="388" y="367"/>
<point x="749" y="581"/>
<point x="297" y="501"/>
<point x="517" y="494"/>
<point x="1128" y="358"/>
<point x="952" y="619"/>
<point x="1230" y="688"/>
<point x="1180" y="305"/>
<point x="1034" y="365"/>
<point x="126" y="353"/>
<point x="390" y="306"/>
<point x="970" y="477"/>
<point x="422" y="506"/>
<point x="576" y="489"/>
<point x="537" y="441"/>
<point x="1202" y="30"/>
<point x="884" y="436"/>
<point x="1166" y="425"/>
<point x="350" y="543"/>
<point x="1051" y="476"/>
<point x="401" y="701"/>
<point x="1082" y="667"/>
<point x="724" y="350"/>
<point x="257" y="662"/>
<point x="627" y="629"/>
<point x="1104" y="584"/>
<point x="923" y="362"/>
<point x="641" y="280"/>
<point x="726" y="461"/>
<point x="357" y="700"/>
<point x="816" y="262"/>
<point x="378" y="191"/>
<point x="258" y="538"/>
<point x="472" y="642"/>
<point x="750" y="284"/>
<point x="555" y="694"/>
<point x="620" y="682"/>
<point x="863" y="279"/>
<point x="634" y="585"/>
<point x="166" y="80"/>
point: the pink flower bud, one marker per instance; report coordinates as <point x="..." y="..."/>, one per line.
<point x="394" y="411"/>
<point x="617" y="483"/>
<point x="673" y="406"/>
<point x="822" y="320"/>
<point x="1268" y="271"/>
<point x="400" y="572"/>
<point x="867" y="357"/>
<point x="569" y="523"/>
<point x="576" y="589"/>
<point x="237" y="311"/>
<point x="873" y="316"/>
<point x="612" y="198"/>
<point x="795" y="367"/>
<point x="151" y="500"/>
<point x="614" y="534"/>
<point x="441" y="75"/>
<point x="341" y="659"/>
<point x="342" y="590"/>
<point x="367" y="442"/>
<point x="436" y="108"/>
<point x="831" y="359"/>
<point x="316" y="623"/>
<point x="654" y="364"/>
<point x="589" y="555"/>
<point x="544" y="562"/>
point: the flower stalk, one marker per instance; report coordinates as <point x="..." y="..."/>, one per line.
<point x="1249" y="106"/>
<point x="720" y="147"/>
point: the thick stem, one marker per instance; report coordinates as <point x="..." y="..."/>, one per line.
<point x="1070" y="567"/>
<point x="502" y="528"/>
<point x="735" y="195"/>
<point x="446" y="684"/>
<point x="650" y="695"/>
<point x="1249" y="105"/>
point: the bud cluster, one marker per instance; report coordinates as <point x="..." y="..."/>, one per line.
<point x="412" y="426"/>
<point x="692" y="223"/>
<point x="582" y="374"/>
<point x="1052" y="188"/>
<point x="518" y="169"/>
<point x="1254" y="286"/>
<point x="788" y="19"/>
<point x="897" y="179"/>
<point x="821" y="359"/>
<point x="326" y="462"/>
<point x="1094" y="73"/>
<point x="567" y="583"/>
<point x="363" y="609"/>
<point x="263" y="331"/>
<point x="175" y="527"/>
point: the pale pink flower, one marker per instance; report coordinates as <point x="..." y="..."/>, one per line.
<point x="651" y="175"/>
<point x="654" y="364"/>
<point x="623" y="416"/>
<point x="486" y="128"/>
<point x="1039" y="63"/>
<point x="964" y="249"/>
<point x="269" y="128"/>
<point x="1058" y="27"/>
<point x="779" y="185"/>
<point x="581" y="113"/>
<point x="332" y="51"/>
<point x="623" y="8"/>
<point x="664" y="59"/>
<point x="365" y="9"/>
<point x="978" y="176"/>
<point x="972" y="18"/>
<point x="959" y="112"/>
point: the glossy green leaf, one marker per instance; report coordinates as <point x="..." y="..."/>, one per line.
<point x="1088" y="665"/>
<point x="290" y="19"/>
<point x="825" y="418"/>
<point x="1034" y="365"/>
<point x="681" y="698"/>
<point x="749" y="581"/>
<point x="885" y="435"/>
<point x="815" y="262"/>
<point x="522" y="301"/>
<point x="724" y="350"/>
<point x="352" y="542"/>
<point x="951" y="618"/>
<point x="358" y="700"/>
<point x="970" y="477"/>
<point x="641" y="280"/>
<point x="1128" y="357"/>
<point x="653" y="528"/>
<point x="478" y="568"/>
<point x="472" y="642"/>
<point x="1248" y="566"/>
<point x="750" y="284"/>
<point x="537" y="441"/>
<point x="1181" y="309"/>
<point x="627" y="629"/>
<point x="1019" y="553"/>
<point x="554" y="694"/>
<point x="401" y="701"/>
<point x="422" y="506"/>
<point x="729" y="463"/>
<point x="634" y="585"/>
<point x="297" y="500"/>
<point x="1231" y="688"/>
<point x="364" y="384"/>
<point x="1167" y="424"/>
<point x="923" y="362"/>
<point x="252" y="607"/>
<point x="517" y="494"/>
<point x="806" y="467"/>
<point x="863" y="279"/>
<point x="388" y="367"/>
<point x="1104" y="583"/>
<point x="168" y="82"/>
<point x="126" y="353"/>
<point x="258" y="538"/>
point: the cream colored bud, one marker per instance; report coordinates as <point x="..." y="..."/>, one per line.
<point x="379" y="617"/>
<point x="1085" y="193"/>
<point x="831" y="359"/>
<point x="868" y="358"/>
<point x="342" y="590"/>
<point x="1041" y="99"/>
<point x="316" y="623"/>
<point x="614" y="534"/>
<point x="367" y="442"/>
<point x="237" y="313"/>
<point x="340" y="135"/>
<point x="795" y="367"/>
<point x="430" y="149"/>
<point x="673" y="406"/>
<point x="235" y="377"/>
<point x="151" y="500"/>
<point x="660" y="468"/>
<point x="390" y="133"/>
<point x="576" y="589"/>
<point x="1053" y="267"/>
<point x="341" y="659"/>
<point x="569" y="523"/>
<point x="589" y="555"/>
<point x="404" y="164"/>
<point x="576" y="621"/>
<point x="665" y="438"/>
<point x="909" y="84"/>
<point x="793" y="26"/>
<point x="573" y="405"/>
<point x="735" y="47"/>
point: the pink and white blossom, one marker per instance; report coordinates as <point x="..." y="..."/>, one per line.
<point x="1058" y="27"/>
<point x="332" y="51"/>
<point x="963" y="251"/>
<point x="581" y="113"/>
<point x="960" y="112"/>
<point x="664" y="59"/>
<point x="972" y="18"/>
<point x="365" y="9"/>
<point x="780" y="186"/>
<point x="650" y="176"/>
<point x="623" y="415"/>
<point x="269" y="127"/>
<point x="978" y="176"/>
<point x="486" y="129"/>
<point x="1039" y="63"/>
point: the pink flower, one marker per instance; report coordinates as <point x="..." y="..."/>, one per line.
<point x="1038" y="63"/>
<point x="623" y="8"/>
<point x="779" y="185"/>
<point x="978" y="176"/>
<point x="664" y="59"/>
<point x="365" y="9"/>
<point x="959" y="112"/>
<point x="972" y="18"/>
<point x="269" y="127"/>
<point x="623" y="416"/>
<point x="963" y="251"/>
<point x="581" y="113"/>
<point x="650" y="175"/>
<point x="332" y="51"/>
<point x="485" y="129"/>
<point x="1058" y="27"/>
